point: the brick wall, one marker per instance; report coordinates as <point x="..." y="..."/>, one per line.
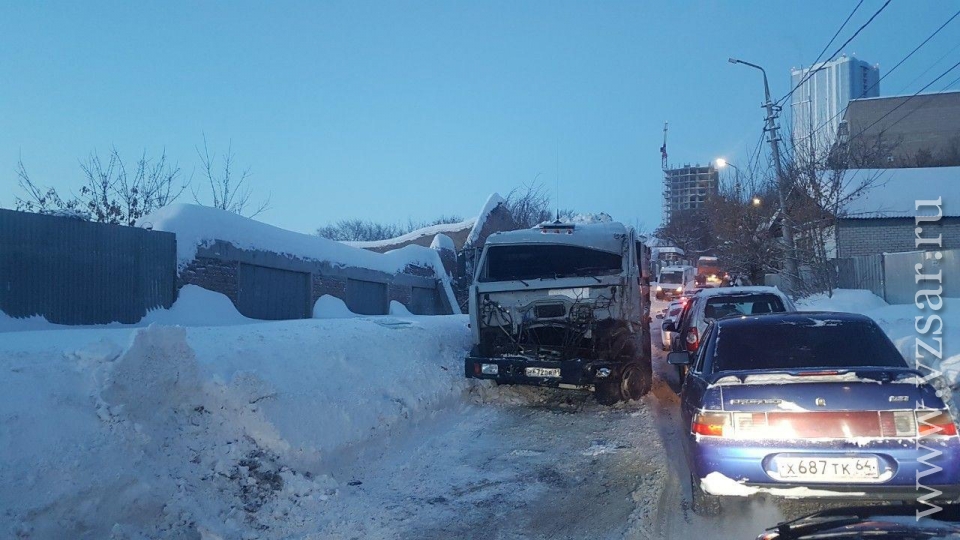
<point x="400" y="293"/>
<point x="890" y="235"/>
<point x="212" y="274"/>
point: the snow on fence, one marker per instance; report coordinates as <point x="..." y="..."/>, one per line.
<point x="271" y="273"/>
<point x="72" y="271"/>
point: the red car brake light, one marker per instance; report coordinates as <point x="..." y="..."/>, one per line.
<point x="935" y="423"/>
<point x="693" y="340"/>
<point x="710" y="424"/>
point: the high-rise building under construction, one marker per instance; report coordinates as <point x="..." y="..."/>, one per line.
<point x="688" y="188"/>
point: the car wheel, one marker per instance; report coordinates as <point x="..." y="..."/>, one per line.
<point x="607" y="392"/>
<point x="703" y="503"/>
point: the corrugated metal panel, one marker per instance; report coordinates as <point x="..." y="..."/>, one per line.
<point x="424" y="301"/>
<point x="367" y="297"/>
<point x="864" y="272"/>
<point x="272" y="293"/>
<point x="900" y="275"/>
<point x="75" y="272"/>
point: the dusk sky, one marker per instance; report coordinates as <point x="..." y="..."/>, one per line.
<point x="392" y="111"/>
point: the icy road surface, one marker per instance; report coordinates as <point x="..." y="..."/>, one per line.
<point x="538" y="463"/>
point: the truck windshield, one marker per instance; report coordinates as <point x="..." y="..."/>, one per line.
<point x="506" y="263"/>
<point x="671" y="277"/>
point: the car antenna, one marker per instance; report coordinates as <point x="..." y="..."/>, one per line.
<point x="557" y="221"/>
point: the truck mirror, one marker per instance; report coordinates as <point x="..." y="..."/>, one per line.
<point x="679" y="358"/>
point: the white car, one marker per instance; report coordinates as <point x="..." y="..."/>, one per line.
<point x="670" y="314"/>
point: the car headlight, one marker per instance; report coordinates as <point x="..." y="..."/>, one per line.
<point x="489" y="369"/>
<point x="659" y="288"/>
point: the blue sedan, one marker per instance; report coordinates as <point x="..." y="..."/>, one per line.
<point x="812" y="404"/>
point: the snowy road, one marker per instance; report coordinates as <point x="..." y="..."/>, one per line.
<point x="532" y="463"/>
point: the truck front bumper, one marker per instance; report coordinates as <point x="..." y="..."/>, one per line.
<point x="513" y="370"/>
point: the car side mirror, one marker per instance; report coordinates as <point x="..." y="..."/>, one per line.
<point x="679" y="358"/>
<point x="669" y="326"/>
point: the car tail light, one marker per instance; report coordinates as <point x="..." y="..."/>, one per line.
<point x="898" y="424"/>
<point x="693" y="339"/>
<point x="931" y="423"/>
<point x="710" y="424"/>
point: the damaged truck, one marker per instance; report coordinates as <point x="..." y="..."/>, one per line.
<point x="563" y="305"/>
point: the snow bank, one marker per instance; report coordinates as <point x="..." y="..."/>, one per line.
<point x="396" y="308"/>
<point x="492" y="203"/>
<point x="170" y="432"/>
<point x="443" y="242"/>
<point x="197" y="226"/>
<point x="331" y="307"/>
<point x="195" y="306"/>
<point x="848" y="300"/>
<point x="898" y="321"/>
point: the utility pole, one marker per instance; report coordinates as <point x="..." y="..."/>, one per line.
<point x="790" y="261"/>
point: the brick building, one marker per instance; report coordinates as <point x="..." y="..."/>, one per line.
<point x="882" y="220"/>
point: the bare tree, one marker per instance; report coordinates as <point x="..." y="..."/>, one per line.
<point x="358" y="230"/>
<point x="228" y="190"/>
<point x="529" y="205"/>
<point x="108" y="193"/>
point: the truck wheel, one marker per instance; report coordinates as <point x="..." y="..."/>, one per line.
<point x="607" y="392"/>
<point x="635" y="381"/>
<point x="703" y="503"/>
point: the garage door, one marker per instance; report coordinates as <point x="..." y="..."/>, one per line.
<point x="424" y="301"/>
<point x="273" y="294"/>
<point x="367" y="297"/>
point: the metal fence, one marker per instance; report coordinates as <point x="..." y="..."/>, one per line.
<point x="891" y="276"/>
<point x="76" y="272"/>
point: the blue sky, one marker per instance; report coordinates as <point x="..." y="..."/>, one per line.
<point x="408" y="110"/>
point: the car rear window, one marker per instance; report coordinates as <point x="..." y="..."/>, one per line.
<point x="818" y="343"/>
<point x="719" y="307"/>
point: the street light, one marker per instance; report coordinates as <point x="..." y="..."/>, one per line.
<point x="721" y="163"/>
<point x="790" y="261"/>
<point x="756" y="201"/>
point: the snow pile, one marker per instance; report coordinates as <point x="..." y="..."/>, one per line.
<point x="899" y="322"/>
<point x="396" y="308"/>
<point x="195" y="306"/>
<point x="492" y="203"/>
<point x="331" y="307"/>
<point x="443" y="242"/>
<point x="206" y="433"/>
<point x="847" y="300"/>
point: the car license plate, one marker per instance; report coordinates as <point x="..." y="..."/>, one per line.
<point x="542" y="372"/>
<point x="828" y="469"/>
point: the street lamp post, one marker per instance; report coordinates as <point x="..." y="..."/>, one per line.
<point x="721" y="163"/>
<point x="790" y="262"/>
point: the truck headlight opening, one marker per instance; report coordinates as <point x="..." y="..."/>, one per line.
<point x="489" y="369"/>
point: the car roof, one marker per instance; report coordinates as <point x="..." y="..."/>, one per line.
<point x="799" y="318"/>
<point x="736" y="291"/>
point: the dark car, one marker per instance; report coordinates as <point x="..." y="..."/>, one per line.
<point x="811" y="404"/>
<point x="894" y="522"/>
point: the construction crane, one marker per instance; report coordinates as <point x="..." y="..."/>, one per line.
<point x="663" y="149"/>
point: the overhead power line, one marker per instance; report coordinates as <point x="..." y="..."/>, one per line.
<point x="812" y="72"/>
<point x="894" y="68"/>
<point x="904" y="102"/>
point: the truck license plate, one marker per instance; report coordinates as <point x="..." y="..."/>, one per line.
<point x="542" y="372"/>
<point x="826" y="469"/>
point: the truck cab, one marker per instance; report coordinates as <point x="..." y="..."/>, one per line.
<point x="562" y="305"/>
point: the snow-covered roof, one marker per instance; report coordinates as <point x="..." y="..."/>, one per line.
<point x="603" y="236"/>
<point x="492" y="203"/>
<point x="412" y="236"/>
<point x="896" y="190"/>
<point x="444" y="242"/>
<point x="197" y="226"/>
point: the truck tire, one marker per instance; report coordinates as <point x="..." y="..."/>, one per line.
<point x="702" y="503"/>
<point x="635" y="381"/>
